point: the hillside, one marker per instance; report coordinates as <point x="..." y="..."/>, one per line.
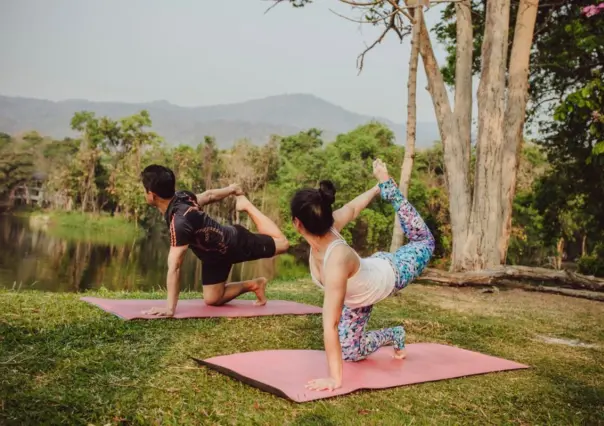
<point x="256" y="119"/>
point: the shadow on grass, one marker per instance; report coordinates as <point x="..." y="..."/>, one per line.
<point x="583" y="397"/>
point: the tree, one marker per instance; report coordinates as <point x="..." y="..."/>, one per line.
<point x="476" y="218"/>
<point x="16" y="164"/>
<point x="407" y="167"/>
<point x="567" y="49"/>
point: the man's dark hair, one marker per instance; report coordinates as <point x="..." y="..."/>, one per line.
<point x="160" y="180"/>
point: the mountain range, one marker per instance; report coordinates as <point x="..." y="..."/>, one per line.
<point x="255" y="120"/>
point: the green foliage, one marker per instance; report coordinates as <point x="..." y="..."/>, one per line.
<point x="304" y="162"/>
<point x="567" y="46"/>
<point x="16" y="164"/>
<point x="591" y="265"/>
<point x="556" y="196"/>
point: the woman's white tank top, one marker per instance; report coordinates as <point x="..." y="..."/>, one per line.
<point x="373" y="281"/>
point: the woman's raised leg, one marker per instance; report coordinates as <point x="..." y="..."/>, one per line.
<point x="411" y="259"/>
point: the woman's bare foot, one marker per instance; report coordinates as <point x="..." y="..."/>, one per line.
<point x="259" y="288"/>
<point x="400" y="354"/>
<point x="380" y="171"/>
<point x="242" y="203"/>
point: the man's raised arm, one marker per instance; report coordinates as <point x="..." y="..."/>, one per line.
<point x="215" y="195"/>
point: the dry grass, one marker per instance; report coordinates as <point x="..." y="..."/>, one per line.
<point x="65" y="362"/>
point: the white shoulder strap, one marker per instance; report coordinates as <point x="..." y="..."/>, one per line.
<point x="330" y="248"/>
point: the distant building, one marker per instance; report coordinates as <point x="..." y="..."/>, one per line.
<point x="29" y="193"/>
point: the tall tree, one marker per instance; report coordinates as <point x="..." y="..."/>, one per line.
<point x="408" y="160"/>
<point x="476" y="218"/>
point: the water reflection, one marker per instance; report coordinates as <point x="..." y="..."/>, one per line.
<point x="31" y="258"/>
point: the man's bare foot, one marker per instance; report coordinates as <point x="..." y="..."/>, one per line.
<point x="259" y="288"/>
<point x="400" y="354"/>
<point x="242" y="203"/>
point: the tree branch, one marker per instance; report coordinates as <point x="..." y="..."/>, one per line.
<point x="507" y="273"/>
<point x="401" y="10"/>
<point x="275" y="4"/>
<point x="361" y="57"/>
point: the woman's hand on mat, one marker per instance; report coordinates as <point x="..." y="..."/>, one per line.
<point x="323" y="384"/>
<point x="159" y="312"/>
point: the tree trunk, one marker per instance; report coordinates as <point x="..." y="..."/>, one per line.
<point x="515" y="113"/>
<point x="482" y="245"/>
<point x="560" y="253"/>
<point x="407" y="167"/>
<point x="584" y="246"/>
<point x="89" y="182"/>
<point x="457" y="181"/>
<point x="463" y="81"/>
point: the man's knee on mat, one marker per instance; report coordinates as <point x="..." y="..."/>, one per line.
<point x="213" y="294"/>
<point x="213" y="301"/>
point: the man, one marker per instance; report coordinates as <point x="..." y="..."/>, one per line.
<point x="217" y="246"/>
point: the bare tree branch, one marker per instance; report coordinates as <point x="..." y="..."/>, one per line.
<point x="365" y="21"/>
<point x="275" y="4"/>
<point x="360" y="4"/>
<point x="361" y="57"/>
<point x="404" y="12"/>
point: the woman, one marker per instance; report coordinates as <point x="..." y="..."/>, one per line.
<point x="353" y="284"/>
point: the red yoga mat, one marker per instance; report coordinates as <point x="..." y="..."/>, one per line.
<point x="285" y="372"/>
<point x="129" y="309"/>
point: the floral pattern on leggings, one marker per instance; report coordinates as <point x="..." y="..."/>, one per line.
<point x="408" y="262"/>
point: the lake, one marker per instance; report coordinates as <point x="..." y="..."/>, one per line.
<point x="32" y="258"/>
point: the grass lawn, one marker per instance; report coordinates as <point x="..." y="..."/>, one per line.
<point x="96" y="228"/>
<point x="65" y="362"/>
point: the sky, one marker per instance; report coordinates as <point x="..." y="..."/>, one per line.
<point x="203" y="52"/>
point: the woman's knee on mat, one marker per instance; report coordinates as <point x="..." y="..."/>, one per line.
<point x="353" y="354"/>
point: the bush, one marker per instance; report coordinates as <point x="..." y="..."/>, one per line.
<point x="592" y="265"/>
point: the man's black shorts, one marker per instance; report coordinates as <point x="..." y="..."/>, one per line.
<point x="248" y="246"/>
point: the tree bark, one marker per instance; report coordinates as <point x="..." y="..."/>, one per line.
<point x="482" y="245"/>
<point x="459" y="191"/>
<point x="463" y="81"/>
<point x="503" y="274"/>
<point x="407" y="166"/>
<point x="565" y="292"/>
<point x="515" y="113"/>
<point x="560" y="253"/>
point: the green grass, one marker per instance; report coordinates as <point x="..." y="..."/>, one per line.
<point x="95" y="228"/>
<point x="63" y="361"/>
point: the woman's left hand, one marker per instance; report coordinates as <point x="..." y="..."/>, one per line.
<point x="322" y="384"/>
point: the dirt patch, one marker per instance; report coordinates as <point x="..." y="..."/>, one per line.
<point x="567" y="342"/>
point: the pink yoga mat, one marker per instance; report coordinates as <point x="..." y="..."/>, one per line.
<point x="129" y="309"/>
<point x="286" y="372"/>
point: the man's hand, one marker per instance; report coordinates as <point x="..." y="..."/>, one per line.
<point x="236" y="189"/>
<point x="323" y="384"/>
<point x="160" y="312"/>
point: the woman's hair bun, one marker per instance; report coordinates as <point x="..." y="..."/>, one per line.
<point x="327" y="191"/>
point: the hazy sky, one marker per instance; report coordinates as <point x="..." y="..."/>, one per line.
<point x="201" y="52"/>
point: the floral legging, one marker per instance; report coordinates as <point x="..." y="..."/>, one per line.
<point x="408" y="262"/>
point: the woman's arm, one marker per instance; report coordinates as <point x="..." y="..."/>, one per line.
<point x="335" y="290"/>
<point x="352" y="209"/>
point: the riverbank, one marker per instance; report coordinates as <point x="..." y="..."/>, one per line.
<point x="97" y="228"/>
<point x="63" y="361"/>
